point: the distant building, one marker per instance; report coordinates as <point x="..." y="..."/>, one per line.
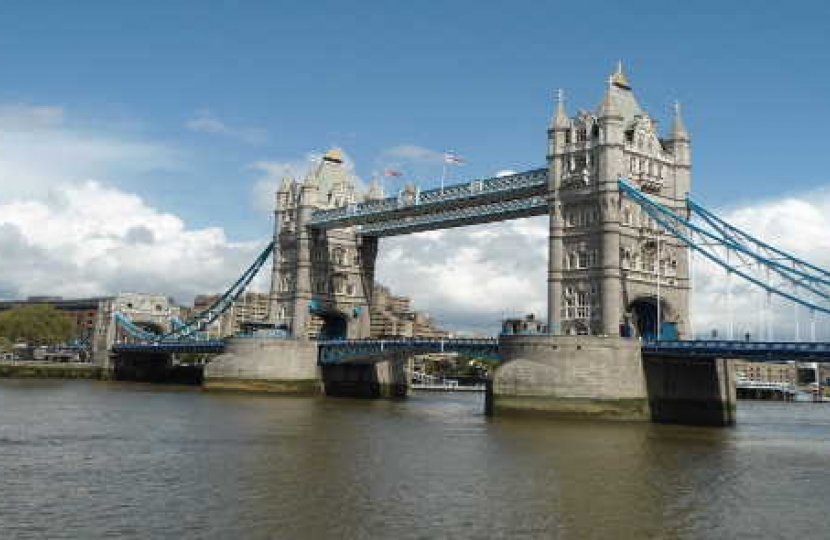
<point x="393" y="316"/>
<point x="150" y="311"/>
<point x="249" y="307"/>
<point x="82" y="311"/>
<point x="765" y="372"/>
<point x="527" y="325"/>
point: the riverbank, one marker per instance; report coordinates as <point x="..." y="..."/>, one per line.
<point x="49" y="370"/>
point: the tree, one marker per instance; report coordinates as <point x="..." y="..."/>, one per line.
<point x="5" y="344"/>
<point x="38" y="324"/>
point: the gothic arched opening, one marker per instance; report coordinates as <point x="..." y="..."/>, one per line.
<point x="334" y="325"/>
<point x="641" y="320"/>
<point x="644" y="317"/>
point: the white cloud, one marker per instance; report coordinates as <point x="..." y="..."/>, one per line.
<point x="63" y="234"/>
<point x="207" y="125"/>
<point x="412" y="152"/>
<point x="469" y="278"/>
<point x="90" y="239"/>
<point x="205" y="121"/>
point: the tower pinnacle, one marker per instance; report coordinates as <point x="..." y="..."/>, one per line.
<point x="608" y="107"/>
<point x="678" y="130"/>
<point x="560" y="117"/>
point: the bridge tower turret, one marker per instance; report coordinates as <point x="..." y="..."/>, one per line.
<point x="558" y="134"/>
<point x="322" y="279"/>
<point x="302" y="277"/>
<point x="284" y="210"/>
<point x="606" y="256"/>
<point x="680" y="145"/>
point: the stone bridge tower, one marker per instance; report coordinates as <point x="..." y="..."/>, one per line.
<point x="321" y="284"/>
<point x="606" y="255"/>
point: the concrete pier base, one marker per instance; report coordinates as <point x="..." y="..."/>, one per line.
<point x="266" y="364"/>
<point x="571" y="376"/>
<point x="387" y="378"/>
<point x="691" y="391"/>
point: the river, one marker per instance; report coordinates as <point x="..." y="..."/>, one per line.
<point x="87" y="459"/>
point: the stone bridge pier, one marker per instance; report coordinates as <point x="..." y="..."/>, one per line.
<point x="691" y="391"/>
<point x="590" y="376"/>
<point x="386" y="377"/>
<point x="609" y="378"/>
<point x="266" y="364"/>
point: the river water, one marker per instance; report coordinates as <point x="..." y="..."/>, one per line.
<point x="85" y="459"/>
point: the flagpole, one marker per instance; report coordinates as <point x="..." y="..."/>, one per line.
<point x="443" y="174"/>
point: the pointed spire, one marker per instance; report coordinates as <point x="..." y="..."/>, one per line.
<point x="560" y="117"/>
<point x="678" y="129"/>
<point x="285" y="185"/>
<point x="311" y="179"/>
<point x="608" y="107"/>
<point x="375" y="190"/>
<point x="619" y="79"/>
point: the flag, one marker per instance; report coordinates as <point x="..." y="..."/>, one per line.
<point x="452" y="157"/>
<point x="392" y="172"/>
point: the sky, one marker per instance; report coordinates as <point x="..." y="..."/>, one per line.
<point x="140" y="142"/>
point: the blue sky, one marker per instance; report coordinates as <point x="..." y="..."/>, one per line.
<point x="473" y="76"/>
<point x="179" y="116"/>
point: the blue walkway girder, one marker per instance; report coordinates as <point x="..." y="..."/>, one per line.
<point x="189" y="346"/>
<point x="759" y="351"/>
<point x="536" y="205"/>
<point x="479" y="201"/>
<point x="351" y="350"/>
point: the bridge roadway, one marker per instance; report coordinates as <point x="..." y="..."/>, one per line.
<point x="333" y="351"/>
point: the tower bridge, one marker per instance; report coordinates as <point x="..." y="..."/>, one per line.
<point x="621" y="234"/>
